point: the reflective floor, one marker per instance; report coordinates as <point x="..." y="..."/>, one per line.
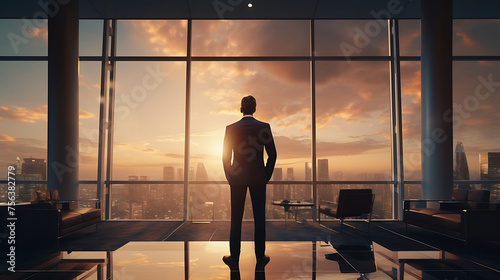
<point x="289" y="260"/>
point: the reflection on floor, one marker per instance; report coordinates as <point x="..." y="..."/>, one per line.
<point x="202" y="260"/>
<point x="319" y="255"/>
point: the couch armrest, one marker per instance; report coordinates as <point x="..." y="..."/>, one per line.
<point x="481" y="224"/>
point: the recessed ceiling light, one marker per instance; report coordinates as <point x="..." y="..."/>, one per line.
<point x="250" y="5"/>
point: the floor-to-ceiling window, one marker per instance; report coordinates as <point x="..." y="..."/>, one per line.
<point x="176" y="84"/>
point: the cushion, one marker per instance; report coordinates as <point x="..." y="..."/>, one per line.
<point x="70" y="218"/>
<point x="478" y="199"/>
<point x="42" y="195"/>
<point x="54" y="194"/>
<point x="459" y="195"/>
<point x="421" y="215"/>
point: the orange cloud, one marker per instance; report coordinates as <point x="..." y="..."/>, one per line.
<point x="86" y="115"/>
<point x="38" y="32"/>
<point x="22" y="114"/>
<point x="167" y="37"/>
<point x="366" y="95"/>
<point x="465" y="39"/>
<point x="6" y="138"/>
<point x="141" y="148"/>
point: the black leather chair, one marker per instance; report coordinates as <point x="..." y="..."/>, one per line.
<point x="351" y="203"/>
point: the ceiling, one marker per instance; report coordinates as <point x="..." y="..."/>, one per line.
<point x="262" y="9"/>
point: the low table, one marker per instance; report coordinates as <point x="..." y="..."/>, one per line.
<point x="290" y="204"/>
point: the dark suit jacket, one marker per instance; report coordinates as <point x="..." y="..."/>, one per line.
<point x="244" y="142"/>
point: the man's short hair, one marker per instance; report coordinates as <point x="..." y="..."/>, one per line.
<point x="248" y="105"/>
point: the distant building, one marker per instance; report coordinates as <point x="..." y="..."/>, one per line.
<point x="289" y="174"/>
<point x="323" y="170"/>
<point x="290" y="190"/>
<point x="201" y="172"/>
<point x="180" y="174"/>
<point x="278" y="190"/>
<point x="325" y="191"/>
<point x="308" y="170"/>
<point x="489" y="165"/>
<point x="35" y="166"/>
<point x="461" y="167"/>
<point x="168" y="173"/>
<point x="19" y="166"/>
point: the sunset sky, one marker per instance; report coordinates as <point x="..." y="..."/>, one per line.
<point x="352" y="97"/>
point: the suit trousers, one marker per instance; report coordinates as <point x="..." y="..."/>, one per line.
<point x="258" y="196"/>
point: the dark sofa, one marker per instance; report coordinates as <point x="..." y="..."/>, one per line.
<point x="50" y="218"/>
<point x="467" y="216"/>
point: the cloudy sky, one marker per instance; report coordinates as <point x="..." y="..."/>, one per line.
<point x="352" y="97"/>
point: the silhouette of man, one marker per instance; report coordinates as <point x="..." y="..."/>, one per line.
<point x="244" y="143"/>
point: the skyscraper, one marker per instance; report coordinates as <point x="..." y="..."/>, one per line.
<point x="168" y="173"/>
<point x="290" y="189"/>
<point x="308" y="170"/>
<point x="35" y="166"/>
<point x="489" y="165"/>
<point x="180" y="174"/>
<point x="201" y="172"/>
<point x="19" y="166"/>
<point x="325" y="191"/>
<point x="278" y="190"/>
<point x="461" y="166"/>
<point x="323" y="170"/>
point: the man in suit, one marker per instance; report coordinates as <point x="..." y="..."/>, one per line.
<point x="244" y="143"/>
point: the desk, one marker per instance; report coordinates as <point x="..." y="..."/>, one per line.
<point x="290" y="204"/>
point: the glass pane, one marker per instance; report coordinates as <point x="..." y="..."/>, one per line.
<point x="152" y="37"/>
<point x="413" y="191"/>
<point x="23" y="37"/>
<point x="251" y="38"/>
<point x="476" y="121"/>
<point x="282" y="91"/>
<point x="90" y="84"/>
<point x="353" y="121"/>
<point x="23" y="119"/>
<point x="409" y="37"/>
<point x="410" y="100"/>
<point x="210" y="202"/>
<point x="87" y="191"/>
<point x="382" y="207"/>
<point x="351" y="37"/>
<point x="149" y="118"/>
<point x="476" y="37"/>
<point x="91" y="37"/>
<point x="292" y="192"/>
<point x="147" y="201"/>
